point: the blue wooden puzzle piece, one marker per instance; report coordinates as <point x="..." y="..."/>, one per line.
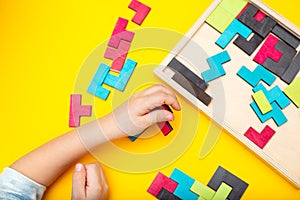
<point x="253" y="78"/>
<point x="184" y="184"/>
<point x="274" y="95"/>
<point x="275" y="113"/>
<point x="120" y="82"/>
<point x="134" y="137"/>
<point x="95" y="86"/>
<point x="236" y="27"/>
<point x="216" y="69"/>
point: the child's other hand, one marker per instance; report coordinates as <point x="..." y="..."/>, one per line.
<point x="144" y="109"/>
<point x="89" y="182"/>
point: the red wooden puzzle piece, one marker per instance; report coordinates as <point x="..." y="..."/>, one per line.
<point x="165" y="127"/>
<point x="77" y="110"/>
<point x="260" y="139"/>
<point x="120" y="33"/>
<point x="259" y="16"/>
<point x="161" y="181"/>
<point x="141" y="11"/>
<point x="268" y="50"/>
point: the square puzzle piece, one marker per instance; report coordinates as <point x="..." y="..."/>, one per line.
<point x="260" y="139"/>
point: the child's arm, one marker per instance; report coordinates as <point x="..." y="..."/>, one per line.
<point x="49" y="161"/>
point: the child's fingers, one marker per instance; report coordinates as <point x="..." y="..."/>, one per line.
<point x="158" y="116"/>
<point x="78" y="182"/>
<point x="96" y="182"/>
<point x="159" y="99"/>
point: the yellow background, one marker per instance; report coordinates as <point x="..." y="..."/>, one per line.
<point x="42" y="47"/>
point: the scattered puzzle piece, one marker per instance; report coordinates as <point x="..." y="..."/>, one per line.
<point x="222" y="175"/>
<point x="262" y="102"/>
<point x="248" y="46"/>
<point x="286" y="36"/>
<point x="188" y="74"/>
<point x="184" y="184"/>
<point x="120" y="82"/>
<point x="222" y="192"/>
<point x="161" y="181"/>
<point x="268" y="50"/>
<point x="281" y="66"/>
<point x="291" y="72"/>
<point x="166" y="195"/>
<point x="253" y="78"/>
<point x="216" y="69"/>
<point x="77" y="110"/>
<point x="202" y="190"/>
<point x="293" y="91"/>
<point x="236" y="27"/>
<point x="260" y="139"/>
<point x="95" y="86"/>
<point x="141" y="10"/>
<point x="276" y="114"/>
<point x="120" y="33"/>
<point x="252" y="19"/>
<point x="274" y="95"/>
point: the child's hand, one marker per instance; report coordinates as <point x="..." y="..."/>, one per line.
<point x="144" y="109"/>
<point x="89" y="182"/>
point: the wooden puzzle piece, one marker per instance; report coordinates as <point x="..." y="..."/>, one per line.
<point x="259" y="73"/>
<point x="224" y="13"/>
<point x="95" y="86"/>
<point x="192" y="88"/>
<point x="259" y="16"/>
<point x="292" y="91"/>
<point x="248" y="46"/>
<point x="268" y="50"/>
<point x="188" y="74"/>
<point x="141" y="10"/>
<point x="203" y="191"/>
<point x="77" y="110"/>
<point x="120" y="82"/>
<point x="238" y="186"/>
<point x="274" y="95"/>
<point x="120" y="33"/>
<point x="286" y="36"/>
<point x="134" y="137"/>
<point x="278" y="68"/>
<point x="222" y="192"/>
<point x="276" y="114"/>
<point x="262" y="26"/>
<point x="165" y="127"/>
<point x="117" y="55"/>
<point x="166" y="195"/>
<point x="260" y="139"/>
<point x="185" y="182"/>
<point x="291" y="72"/>
<point x="236" y="27"/>
<point x="216" y="69"/>
<point x="262" y="102"/>
<point x="159" y="182"/>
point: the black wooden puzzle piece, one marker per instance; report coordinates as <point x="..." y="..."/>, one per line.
<point x="192" y="88"/>
<point x="222" y="175"/>
<point x="292" y="70"/>
<point x="262" y="28"/>
<point x="188" y="74"/>
<point x="166" y="195"/>
<point x="248" y="46"/>
<point x="288" y="53"/>
<point x="286" y="36"/>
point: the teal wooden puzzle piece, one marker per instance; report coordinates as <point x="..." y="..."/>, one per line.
<point x="203" y="191"/>
<point x="120" y="82"/>
<point x="236" y="27"/>
<point x="185" y="182"/>
<point x="262" y="102"/>
<point x="216" y="69"/>
<point x="253" y="78"/>
<point x="222" y="192"/>
<point x="95" y="86"/>
<point x="274" y="95"/>
<point x="275" y="113"/>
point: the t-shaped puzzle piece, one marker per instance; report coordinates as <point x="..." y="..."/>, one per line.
<point x="77" y="110"/>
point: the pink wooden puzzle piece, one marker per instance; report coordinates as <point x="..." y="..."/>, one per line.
<point x="117" y="55"/>
<point x="268" y="50"/>
<point x="77" y="110"/>
<point x="141" y="11"/>
<point x="260" y="139"/>
<point x="259" y="16"/>
<point x="165" y="127"/>
<point x="120" y="33"/>
<point x="162" y="181"/>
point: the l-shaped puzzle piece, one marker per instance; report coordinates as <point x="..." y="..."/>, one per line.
<point x="260" y="139"/>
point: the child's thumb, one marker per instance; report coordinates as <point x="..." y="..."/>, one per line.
<point x="79" y="182"/>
